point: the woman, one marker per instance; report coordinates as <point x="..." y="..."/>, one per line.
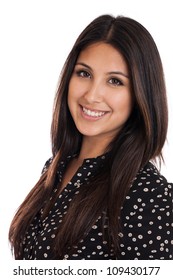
<point x="99" y="196"/>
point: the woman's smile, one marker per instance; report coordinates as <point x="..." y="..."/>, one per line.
<point x="92" y="114"/>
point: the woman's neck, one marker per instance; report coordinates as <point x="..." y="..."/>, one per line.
<point x="92" y="147"/>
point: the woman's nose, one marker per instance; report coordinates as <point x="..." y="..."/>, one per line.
<point x="94" y="93"/>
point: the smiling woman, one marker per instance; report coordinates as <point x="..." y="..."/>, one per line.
<point x="100" y="196"/>
<point x="100" y="97"/>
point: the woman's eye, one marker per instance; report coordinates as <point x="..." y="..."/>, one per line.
<point x="83" y="74"/>
<point x="115" y="81"/>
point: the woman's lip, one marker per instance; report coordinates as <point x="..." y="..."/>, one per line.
<point x="92" y="117"/>
<point x="93" y="110"/>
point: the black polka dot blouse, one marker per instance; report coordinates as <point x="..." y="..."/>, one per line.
<point x="146" y="218"/>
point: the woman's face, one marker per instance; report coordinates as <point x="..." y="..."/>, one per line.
<point x="99" y="96"/>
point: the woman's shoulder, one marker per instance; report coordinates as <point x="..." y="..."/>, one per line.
<point x="149" y="179"/>
<point x="46" y="165"/>
<point x="150" y="195"/>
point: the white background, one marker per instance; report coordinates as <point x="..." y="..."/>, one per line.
<point x="35" y="38"/>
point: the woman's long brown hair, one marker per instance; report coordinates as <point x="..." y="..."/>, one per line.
<point x="140" y="140"/>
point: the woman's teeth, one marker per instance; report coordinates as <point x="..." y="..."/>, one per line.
<point x="92" y="113"/>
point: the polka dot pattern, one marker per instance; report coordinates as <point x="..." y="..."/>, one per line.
<point x="146" y="219"/>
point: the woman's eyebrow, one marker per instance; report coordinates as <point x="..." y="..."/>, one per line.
<point x="84" y="64"/>
<point x="118" y="73"/>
